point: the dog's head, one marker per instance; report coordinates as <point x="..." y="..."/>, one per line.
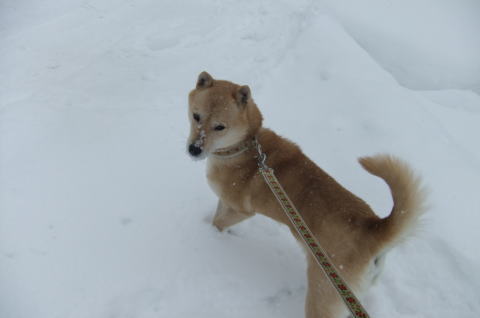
<point x="221" y="114"/>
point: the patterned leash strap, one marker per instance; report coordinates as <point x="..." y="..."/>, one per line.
<point x="319" y="254"/>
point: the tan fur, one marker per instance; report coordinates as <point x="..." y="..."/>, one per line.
<point x="345" y="225"/>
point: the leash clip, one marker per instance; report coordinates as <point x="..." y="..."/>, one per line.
<point x="261" y="156"/>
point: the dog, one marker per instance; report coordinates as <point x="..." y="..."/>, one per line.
<point x="225" y="126"/>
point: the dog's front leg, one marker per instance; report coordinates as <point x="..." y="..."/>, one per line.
<point x="226" y="216"/>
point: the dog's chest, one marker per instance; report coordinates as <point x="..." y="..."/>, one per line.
<point x="214" y="177"/>
<point x="229" y="184"/>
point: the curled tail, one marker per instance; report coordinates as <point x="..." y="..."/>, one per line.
<point x="407" y="193"/>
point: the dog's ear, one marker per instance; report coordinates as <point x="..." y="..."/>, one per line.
<point x="204" y="80"/>
<point x="243" y="95"/>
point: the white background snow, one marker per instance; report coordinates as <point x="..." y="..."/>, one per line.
<point x="102" y="213"/>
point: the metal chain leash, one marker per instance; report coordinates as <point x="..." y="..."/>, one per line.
<point x="317" y="251"/>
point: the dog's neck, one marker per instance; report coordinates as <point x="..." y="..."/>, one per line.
<point x="235" y="150"/>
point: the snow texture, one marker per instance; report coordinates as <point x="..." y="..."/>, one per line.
<point x="102" y="213"/>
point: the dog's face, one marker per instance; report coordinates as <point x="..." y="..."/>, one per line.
<point x="220" y="115"/>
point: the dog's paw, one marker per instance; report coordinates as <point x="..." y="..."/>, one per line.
<point x="222" y="229"/>
<point x="210" y="220"/>
<point x="218" y="226"/>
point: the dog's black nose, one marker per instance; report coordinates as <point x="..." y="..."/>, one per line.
<point x="194" y="150"/>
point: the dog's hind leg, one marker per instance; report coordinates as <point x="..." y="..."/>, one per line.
<point x="322" y="300"/>
<point x="226" y="216"/>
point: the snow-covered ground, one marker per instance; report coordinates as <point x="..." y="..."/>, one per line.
<point x="102" y="213"/>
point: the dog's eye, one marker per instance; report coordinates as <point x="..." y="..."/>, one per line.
<point x="219" y="127"/>
<point x="196" y="117"/>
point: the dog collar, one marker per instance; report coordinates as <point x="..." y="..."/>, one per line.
<point x="233" y="151"/>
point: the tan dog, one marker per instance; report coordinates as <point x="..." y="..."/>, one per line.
<point x="224" y="121"/>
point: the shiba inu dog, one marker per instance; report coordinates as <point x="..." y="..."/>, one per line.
<point x="225" y="121"/>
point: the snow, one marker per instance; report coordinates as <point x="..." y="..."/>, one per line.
<point x="426" y="44"/>
<point x="104" y="215"/>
